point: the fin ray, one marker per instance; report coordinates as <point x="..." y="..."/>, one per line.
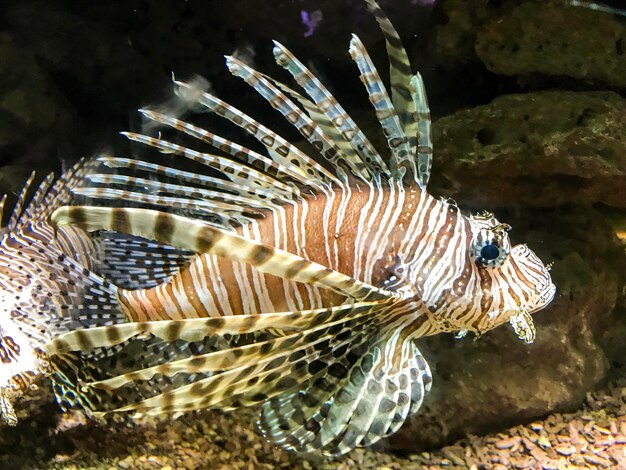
<point x="200" y="237"/>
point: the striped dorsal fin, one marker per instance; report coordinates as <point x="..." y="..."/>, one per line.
<point x="408" y="96"/>
<point x="401" y="160"/>
<point x="354" y="145"/>
<point x="279" y="148"/>
<point x="308" y="128"/>
<point x="343" y="152"/>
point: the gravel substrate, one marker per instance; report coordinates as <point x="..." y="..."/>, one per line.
<point x="593" y="437"/>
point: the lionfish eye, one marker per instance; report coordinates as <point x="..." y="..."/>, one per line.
<point x="489" y="252"/>
<point x="490" y="248"/>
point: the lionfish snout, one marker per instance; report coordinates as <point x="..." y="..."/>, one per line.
<point x="534" y="276"/>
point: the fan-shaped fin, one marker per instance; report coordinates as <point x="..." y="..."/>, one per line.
<point x="245" y="375"/>
<point x="362" y="397"/>
<point x="217" y="361"/>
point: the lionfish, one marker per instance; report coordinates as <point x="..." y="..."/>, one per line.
<point x="296" y="280"/>
<point x="47" y="284"/>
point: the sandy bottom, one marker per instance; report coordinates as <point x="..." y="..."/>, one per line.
<point x="593" y="437"/>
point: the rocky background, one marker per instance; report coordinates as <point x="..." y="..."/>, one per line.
<point x="528" y="99"/>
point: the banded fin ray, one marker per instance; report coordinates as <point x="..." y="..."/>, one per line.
<point x="223" y="200"/>
<point x="155" y="171"/>
<point x="318" y="116"/>
<point x="309" y="129"/>
<point x="207" y="210"/>
<point x="276" y="366"/>
<point x="236" y="172"/>
<point x="73" y="370"/>
<point x="229" y="359"/>
<point x="260" y="162"/>
<point x="279" y="148"/>
<point x="200" y="237"/>
<point x="359" y="149"/>
<point x="31" y="210"/>
<point x="18" y="209"/>
<point x="401" y="160"/>
<point x="194" y="329"/>
<point x="408" y="96"/>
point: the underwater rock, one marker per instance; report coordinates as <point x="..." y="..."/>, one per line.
<point x="455" y="39"/>
<point x="537" y="149"/>
<point x="488" y="384"/>
<point x="555" y="39"/>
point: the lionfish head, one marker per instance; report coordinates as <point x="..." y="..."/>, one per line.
<point x="515" y="283"/>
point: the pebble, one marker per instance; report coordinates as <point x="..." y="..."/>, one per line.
<point x="506" y="443"/>
<point x="565" y="449"/>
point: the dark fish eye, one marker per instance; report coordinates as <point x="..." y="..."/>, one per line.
<point x="489" y="252"/>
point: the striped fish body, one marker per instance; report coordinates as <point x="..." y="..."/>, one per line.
<point x="402" y="240"/>
<point x="337" y="229"/>
<point x="300" y="288"/>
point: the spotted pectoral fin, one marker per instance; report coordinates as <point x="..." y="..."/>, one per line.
<point x="363" y="396"/>
<point x="201" y="237"/>
<point x="236" y="374"/>
<point x="194" y="329"/>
